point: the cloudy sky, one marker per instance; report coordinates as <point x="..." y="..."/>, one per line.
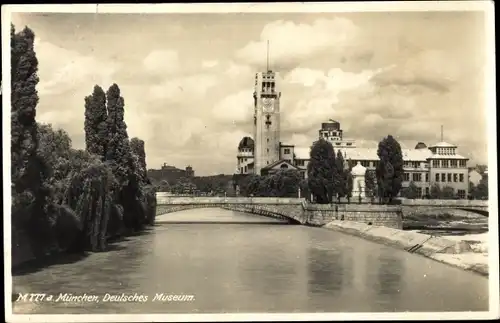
<point x="187" y="79"/>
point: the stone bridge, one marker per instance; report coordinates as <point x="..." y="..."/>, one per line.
<point x="290" y="209"/>
<point x="414" y="207"/>
<point x="294" y="210"/>
<point x="299" y="211"/>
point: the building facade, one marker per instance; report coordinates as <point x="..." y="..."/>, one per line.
<point x="424" y="166"/>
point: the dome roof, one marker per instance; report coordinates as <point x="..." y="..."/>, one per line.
<point x="358" y="170"/>
<point x="420" y="145"/>
<point x="246" y="142"/>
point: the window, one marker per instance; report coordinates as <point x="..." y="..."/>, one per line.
<point x="417" y="177"/>
<point x="455" y="178"/>
<point x="349" y="144"/>
<point x="453" y="163"/>
<point x="245" y="169"/>
<point x="461" y="176"/>
<point x="365" y="163"/>
<point x="426" y="177"/>
<point x="426" y="191"/>
<point x="267" y="149"/>
<point x="462" y="163"/>
<point x="267" y="139"/>
<point x="375" y="163"/>
<point x="444" y="163"/>
<point x="437" y="177"/>
<point x="287" y="151"/>
<point x="419" y="191"/>
<point x="300" y="162"/>
<point x="283" y="166"/>
<point x="449" y="177"/>
<point x="337" y="143"/>
<point x="443" y="177"/>
<point x="435" y="163"/>
<point x="461" y="194"/>
<point x="406" y="177"/>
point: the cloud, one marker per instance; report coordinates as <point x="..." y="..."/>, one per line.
<point x="431" y="69"/>
<point x="209" y="63"/>
<point x="238" y="70"/>
<point x="311" y="95"/>
<point x="291" y="43"/>
<point x="61" y="70"/>
<point x="164" y="62"/>
<point x="183" y="88"/>
<point x="235" y="108"/>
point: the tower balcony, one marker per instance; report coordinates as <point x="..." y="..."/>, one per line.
<point x="245" y="154"/>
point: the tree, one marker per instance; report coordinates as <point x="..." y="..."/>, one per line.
<point x="349" y="186"/>
<point x="370" y="183"/>
<point x="137" y="146"/>
<point x="410" y="192"/>
<point x="321" y="171"/>
<point x="54" y="148"/>
<point x="340" y="176"/>
<point x="448" y="193"/>
<point x="304" y="189"/>
<point x="28" y="171"/>
<point x="390" y="168"/>
<point x="435" y="192"/>
<point x="118" y="152"/>
<point x="184" y="186"/>
<point x="285" y="183"/>
<point x="164" y="186"/>
<point x="96" y="128"/>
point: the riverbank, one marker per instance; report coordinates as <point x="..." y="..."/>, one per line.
<point x="468" y="252"/>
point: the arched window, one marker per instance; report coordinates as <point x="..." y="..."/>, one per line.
<point x="284" y="166"/>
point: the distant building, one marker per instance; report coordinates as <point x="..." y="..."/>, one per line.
<point x="331" y="132"/>
<point x="170" y="173"/>
<point x="439" y="164"/>
<point x="189" y="172"/>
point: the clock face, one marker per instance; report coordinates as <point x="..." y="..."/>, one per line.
<point x="267" y="104"/>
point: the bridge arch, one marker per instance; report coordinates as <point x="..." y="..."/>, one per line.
<point x="254" y="209"/>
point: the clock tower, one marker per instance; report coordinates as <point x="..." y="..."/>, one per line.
<point x="266" y="120"/>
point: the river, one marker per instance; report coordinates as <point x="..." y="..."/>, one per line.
<point x="235" y="262"/>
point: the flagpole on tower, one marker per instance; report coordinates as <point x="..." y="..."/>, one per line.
<point x="268" y="55"/>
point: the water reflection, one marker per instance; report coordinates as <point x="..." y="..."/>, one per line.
<point x="326" y="271"/>
<point x="390" y="272"/>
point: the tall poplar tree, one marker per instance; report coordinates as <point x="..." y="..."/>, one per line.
<point x="390" y="168"/>
<point x="341" y="180"/>
<point x="96" y="129"/>
<point x="28" y="171"/>
<point x="118" y="151"/>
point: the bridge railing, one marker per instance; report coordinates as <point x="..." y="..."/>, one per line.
<point x="226" y="200"/>
<point x="445" y="203"/>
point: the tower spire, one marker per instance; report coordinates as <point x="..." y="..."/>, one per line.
<point x="267" y="65"/>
